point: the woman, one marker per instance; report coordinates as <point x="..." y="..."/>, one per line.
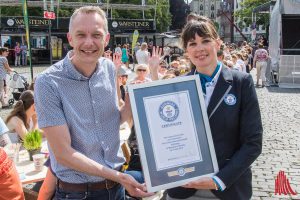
<point x="125" y="58"/>
<point x="22" y="118"/>
<point x="142" y="71"/>
<point x="260" y="60"/>
<point x="4" y="67"/>
<point x="17" y="54"/>
<point x="234" y="118"/>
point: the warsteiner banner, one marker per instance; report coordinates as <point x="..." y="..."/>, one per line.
<point x="123" y="24"/>
<point x="114" y="25"/>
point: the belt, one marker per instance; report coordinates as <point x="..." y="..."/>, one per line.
<point x="83" y="187"/>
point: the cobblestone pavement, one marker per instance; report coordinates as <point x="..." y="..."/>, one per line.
<point x="280" y="110"/>
<point x="23" y="71"/>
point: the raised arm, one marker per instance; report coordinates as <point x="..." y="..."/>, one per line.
<point x="154" y="60"/>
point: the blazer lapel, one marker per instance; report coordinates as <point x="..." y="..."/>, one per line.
<point x="222" y="88"/>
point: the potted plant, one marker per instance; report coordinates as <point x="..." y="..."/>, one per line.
<point x="33" y="142"/>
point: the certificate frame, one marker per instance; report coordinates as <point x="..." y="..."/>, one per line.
<point x="187" y="112"/>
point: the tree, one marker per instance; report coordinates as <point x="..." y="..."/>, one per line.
<point x="245" y="13"/>
<point x="17" y="11"/>
<point x="163" y="16"/>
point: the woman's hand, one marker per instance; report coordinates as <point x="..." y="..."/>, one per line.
<point x="205" y="183"/>
<point x="34" y="118"/>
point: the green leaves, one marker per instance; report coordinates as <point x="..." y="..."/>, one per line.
<point x="162" y="18"/>
<point x="245" y="13"/>
<point x="33" y="140"/>
<point x="163" y="15"/>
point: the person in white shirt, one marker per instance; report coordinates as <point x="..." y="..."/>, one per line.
<point x="142" y="55"/>
<point x="118" y="49"/>
<point x="241" y="62"/>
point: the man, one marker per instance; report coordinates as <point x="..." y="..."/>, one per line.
<point x="122" y="78"/>
<point x="118" y="49"/>
<point x="135" y="49"/>
<point x="167" y="52"/>
<point x="142" y="55"/>
<point x="76" y="102"/>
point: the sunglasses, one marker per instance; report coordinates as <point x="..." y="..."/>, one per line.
<point x="164" y="66"/>
<point x="141" y="70"/>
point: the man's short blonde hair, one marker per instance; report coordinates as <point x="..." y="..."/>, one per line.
<point x="144" y="46"/>
<point x="89" y="10"/>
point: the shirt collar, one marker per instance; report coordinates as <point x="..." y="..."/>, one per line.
<point x="207" y="81"/>
<point x="73" y="72"/>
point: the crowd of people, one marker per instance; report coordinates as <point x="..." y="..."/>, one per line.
<point x="243" y="57"/>
<point x="80" y="102"/>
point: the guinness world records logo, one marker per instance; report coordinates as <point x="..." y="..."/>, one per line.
<point x="168" y="111"/>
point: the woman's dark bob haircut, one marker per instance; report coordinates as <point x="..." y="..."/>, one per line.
<point x="202" y="26"/>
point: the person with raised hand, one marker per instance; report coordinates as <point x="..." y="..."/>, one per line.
<point x="153" y="62"/>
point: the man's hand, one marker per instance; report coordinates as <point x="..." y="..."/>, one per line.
<point x="134" y="188"/>
<point x="205" y="183"/>
<point x="154" y="61"/>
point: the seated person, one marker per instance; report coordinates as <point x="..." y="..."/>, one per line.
<point x="10" y="185"/>
<point x="22" y="118"/>
<point x="4" y="139"/>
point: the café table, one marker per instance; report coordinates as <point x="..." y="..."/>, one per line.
<point x="27" y="171"/>
<point x="26" y="168"/>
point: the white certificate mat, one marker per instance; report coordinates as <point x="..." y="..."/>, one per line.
<point x="172" y="130"/>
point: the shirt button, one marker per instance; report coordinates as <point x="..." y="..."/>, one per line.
<point x="94" y="102"/>
<point x="96" y="122"/>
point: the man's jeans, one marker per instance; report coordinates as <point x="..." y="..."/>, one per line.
<point x="115" y="193"/>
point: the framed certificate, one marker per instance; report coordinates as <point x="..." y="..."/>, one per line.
<point x="173" y="132"/>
